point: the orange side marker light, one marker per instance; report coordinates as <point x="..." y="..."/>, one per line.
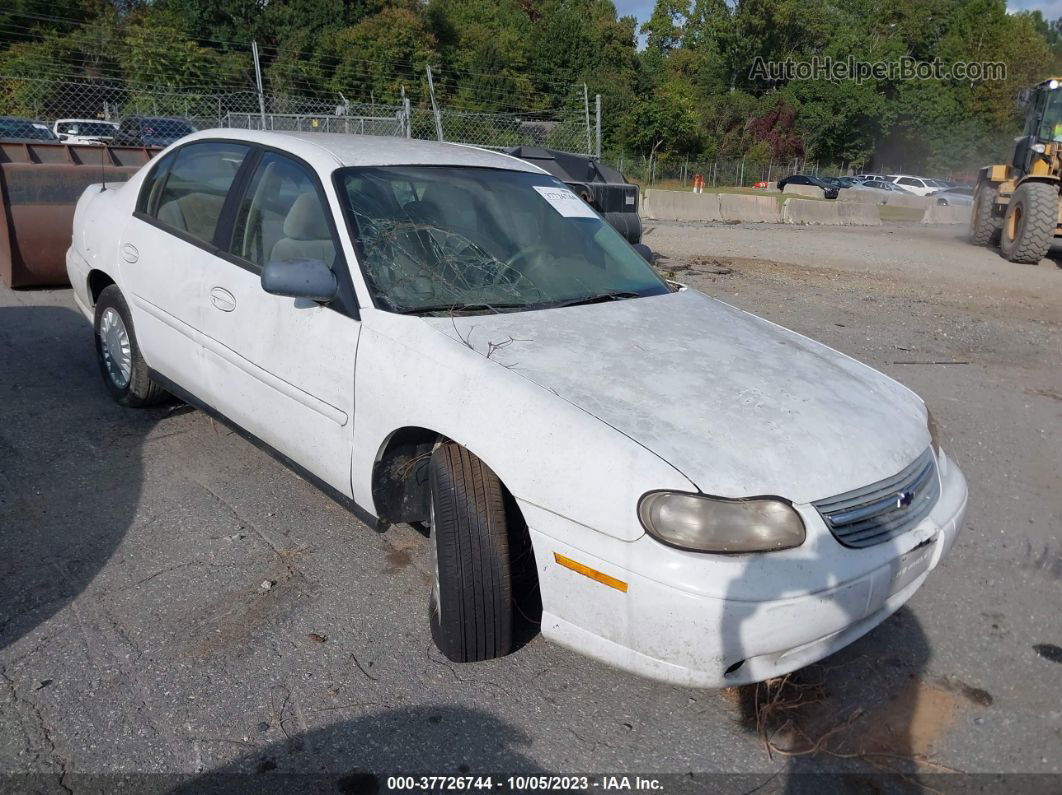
<point x="593" y="574"/>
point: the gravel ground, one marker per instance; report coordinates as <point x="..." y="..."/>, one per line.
<point x="172" y="601"/>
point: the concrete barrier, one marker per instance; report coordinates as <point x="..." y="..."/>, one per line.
<point x="861" y="196"/>
<point x="802" y="211"/>
<point x="855" y="214"/>
<point x="745" y="209"/>
<point x="946" y="214"/>
<point x="804" y="190"/>
<point x="674" y="205"/>
<point x="906" y="200"/>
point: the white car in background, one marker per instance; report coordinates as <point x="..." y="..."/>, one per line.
<point x="443" y="335"/>
<point x="920" y="186"/>
<point x="85" y="131"/>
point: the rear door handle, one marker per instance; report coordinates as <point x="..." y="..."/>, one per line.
<point x="129" y="253"/>
<point x="222" y="299"/>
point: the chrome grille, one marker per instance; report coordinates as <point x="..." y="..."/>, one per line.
<point x="874" y="514"/>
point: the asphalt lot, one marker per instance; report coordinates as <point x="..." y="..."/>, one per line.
<point x="136" y="635"/>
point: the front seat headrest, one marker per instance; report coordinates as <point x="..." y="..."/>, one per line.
<point x="306" y="219"/>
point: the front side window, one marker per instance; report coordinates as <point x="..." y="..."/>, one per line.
<point x="909" y="181"/>
<point x="435" y="239"/>
<point x="282" y="217"/>
<point x="193" y="193"/>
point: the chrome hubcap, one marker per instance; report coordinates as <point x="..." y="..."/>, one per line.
<point x="114" y="345"/>
<point x="435" y="600"/>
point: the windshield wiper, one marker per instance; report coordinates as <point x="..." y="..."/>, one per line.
<point x="459" y="308"/>
<point x="618" y="295"/>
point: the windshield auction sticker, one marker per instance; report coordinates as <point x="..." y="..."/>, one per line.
<point x="565" y="202"/>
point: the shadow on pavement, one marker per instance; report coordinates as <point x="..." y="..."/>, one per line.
<point x="70" y="465"/>
<point x="865" y="716"/>
<point x="357" y="756"/>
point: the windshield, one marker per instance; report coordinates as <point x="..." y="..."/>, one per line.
<point x="167" y="127"/>
<point x="25" y="129"/>
<point x="444" y="239"/>
<point x="97" y="128"/>
<point x="1051" y="123"/>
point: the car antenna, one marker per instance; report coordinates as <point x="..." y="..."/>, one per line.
<point x="105" y="149"/>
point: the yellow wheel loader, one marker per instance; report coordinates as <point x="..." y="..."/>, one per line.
<point x="1016" y="205"/>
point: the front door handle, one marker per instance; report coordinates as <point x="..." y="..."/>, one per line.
<point x="222" y="299"/>
<point x="129" y="253"/>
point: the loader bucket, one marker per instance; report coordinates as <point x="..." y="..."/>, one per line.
<point x="40" y="184"/>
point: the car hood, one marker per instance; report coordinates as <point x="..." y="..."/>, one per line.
<point x="739" y="405"/>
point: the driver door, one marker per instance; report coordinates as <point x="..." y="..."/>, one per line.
<point x="283" y="368"/>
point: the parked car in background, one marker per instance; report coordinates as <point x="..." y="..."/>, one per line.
<point x="881" y="185"/>
<point x="152" y="131"/>
<point x="85" y="131"/>
<point x="959" y="197"/>
<point x="865" y="177"/>
<point x="13" y="128"/>
<point x="828" y="191"/>
<point x="920" y="186"/>
<point x="450" y="336"/>
<point x="841" y="183"/>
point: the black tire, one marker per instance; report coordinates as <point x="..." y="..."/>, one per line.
<point x="984" y="225"/>
<point x="471" y="603"/>
<point x="1030" y="223"/>
<point x="139" y="390"/>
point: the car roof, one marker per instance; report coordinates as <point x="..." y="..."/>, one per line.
<point x="328" y="150"/>
<point x="93" y="121"/>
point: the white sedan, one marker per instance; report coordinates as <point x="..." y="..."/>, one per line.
<point x="447" y="336"/>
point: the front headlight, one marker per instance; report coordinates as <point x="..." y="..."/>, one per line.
<point x="934" y="431"/>
<point x="716" y="524"/>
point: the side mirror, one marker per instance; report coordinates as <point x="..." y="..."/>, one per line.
<point x="1023" y="99"/>
<point x="644" y="250"/>
<point x="300" y="278"/>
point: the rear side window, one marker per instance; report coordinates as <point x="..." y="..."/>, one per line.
<point x="193" y="188"/>
<point x="909" y="181"/>
<point x="151" y="191"/>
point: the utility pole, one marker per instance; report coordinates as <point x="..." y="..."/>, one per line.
<point x="434" y="107"/>
<point x="258" y="80"/>
<point x="406" y="115"/>
<point x="597" y="108"/>
<point x="586" y="107"/>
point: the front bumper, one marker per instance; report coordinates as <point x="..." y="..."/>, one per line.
<point x="717" y="621"/>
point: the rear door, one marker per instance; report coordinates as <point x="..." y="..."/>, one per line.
<point x="283" y="368"/>
<point x="167" y="248"/>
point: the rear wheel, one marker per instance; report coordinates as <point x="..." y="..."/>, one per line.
<point x="471" y="597"/>
<point x="1030" y="223"/>
<point x="124" y="371"/>
<point x="984" y="224"/>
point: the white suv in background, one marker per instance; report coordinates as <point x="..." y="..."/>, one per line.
<point x="85" y="131"/>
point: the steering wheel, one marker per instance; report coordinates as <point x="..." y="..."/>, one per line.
<point x="509" y="272"/>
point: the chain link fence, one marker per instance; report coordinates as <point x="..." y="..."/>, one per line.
<point x="679" y="171"/>
<point x="47" y="100"/>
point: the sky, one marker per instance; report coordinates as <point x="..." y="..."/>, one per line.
<point x="1051" y="9"/>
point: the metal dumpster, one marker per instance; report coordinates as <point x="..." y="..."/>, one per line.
<point x="600" y="186"/>
<point x="40" y="183"/>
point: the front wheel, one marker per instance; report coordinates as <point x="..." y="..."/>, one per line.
<point x="1030" y="223"/>
<point x="124" y="371"/>
<point x="984" y="223"/>
<point x="471" y="597"/>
